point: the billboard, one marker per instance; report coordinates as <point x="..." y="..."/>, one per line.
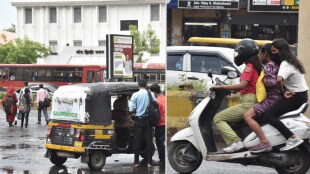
<point x="120" y="56"/>
<point x="273" y="6"/>
<point x="209" y="4"/>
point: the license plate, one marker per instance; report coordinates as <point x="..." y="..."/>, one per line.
<point x="78" y="144"/>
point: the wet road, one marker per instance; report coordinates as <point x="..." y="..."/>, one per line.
<point x="22" y="151"/>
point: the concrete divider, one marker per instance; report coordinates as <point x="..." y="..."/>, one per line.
<point x="181" y="103"/>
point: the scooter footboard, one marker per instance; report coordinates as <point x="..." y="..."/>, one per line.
<point x="185" y="134"/>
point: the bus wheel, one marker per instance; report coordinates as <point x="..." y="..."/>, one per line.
<point x="57" y="160"/>
<point x="96" y="160"/>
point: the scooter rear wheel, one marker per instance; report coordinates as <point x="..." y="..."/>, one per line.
<point x="300" y="166"/>
<point x="176" y="161"/>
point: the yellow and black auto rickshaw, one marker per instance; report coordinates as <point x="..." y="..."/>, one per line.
<point x="91" y="121"/>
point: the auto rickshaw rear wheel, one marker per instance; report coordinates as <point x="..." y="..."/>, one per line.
<point x="57" y="160"/>
<point x="96" y="160"/>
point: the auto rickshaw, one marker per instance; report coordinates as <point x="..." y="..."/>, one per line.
<point x="91" y="121"/>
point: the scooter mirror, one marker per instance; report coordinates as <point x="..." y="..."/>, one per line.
<point x="210" y="74"/>
<point x="226" y="69"/>
<point x="232" y="74"/>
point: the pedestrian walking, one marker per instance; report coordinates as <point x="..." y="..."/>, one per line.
<point x="160" y="128"/>
<point x="24" y="107"/>
<point x="142" y="129"/>
<point x="21" y="93"/>
<point x="9" y="105"/>
<point x="41" y="95"/>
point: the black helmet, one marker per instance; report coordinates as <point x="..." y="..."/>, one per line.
<point x="245" y="49"/>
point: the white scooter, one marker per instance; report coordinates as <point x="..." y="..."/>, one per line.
<point x="196" y="142"/>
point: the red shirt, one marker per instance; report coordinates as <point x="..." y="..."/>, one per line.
<point x="161" y="100"/>
<point x="249" y="74"/>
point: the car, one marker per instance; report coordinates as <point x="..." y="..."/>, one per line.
<point x="192" y="63"/>
<point x="34" y="87"/>
<point x="51" y="88"/>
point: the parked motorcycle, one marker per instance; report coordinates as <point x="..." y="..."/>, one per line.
<point x="197" y="142"/>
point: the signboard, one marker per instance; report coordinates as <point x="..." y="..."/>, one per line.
<point x="120" y="56"/>
<point x="209" y="4"/>
<point x="69" y="104"/>
<point x="273" y="5"/>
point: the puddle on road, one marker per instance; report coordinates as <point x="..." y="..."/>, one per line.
<point x="18" y="146"/>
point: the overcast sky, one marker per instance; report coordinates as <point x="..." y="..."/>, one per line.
<point x="7" y="14"/>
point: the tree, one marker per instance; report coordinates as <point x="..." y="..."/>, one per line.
<point x="145" y="41"/>
<point x="12" y="29"/>
<point x="22" y="51"/>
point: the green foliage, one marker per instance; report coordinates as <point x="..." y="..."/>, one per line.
<point x="11" y="29"/>
<point x="144" y="41"/>
<point x="1" y="95"/>
<point x="22" y="51"/>
<point x="188" y="85"/>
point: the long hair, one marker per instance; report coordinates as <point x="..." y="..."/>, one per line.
<point x="286" y="54"/>
<point x="256" y="63"/>
<point x="267" y="49"/>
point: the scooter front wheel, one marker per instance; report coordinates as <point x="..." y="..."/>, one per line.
<point x="176" y="160"/>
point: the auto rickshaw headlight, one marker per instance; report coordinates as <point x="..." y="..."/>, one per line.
<point x="111" y="132"/>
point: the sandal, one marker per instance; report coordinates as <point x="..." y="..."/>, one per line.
<point x="136" y="165"/>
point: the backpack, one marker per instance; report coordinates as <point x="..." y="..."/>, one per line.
<point x="153" y="111"/>
<point x="47" y="101"/>
<point x="9" y="105"/>
<point x="23" y="107"/>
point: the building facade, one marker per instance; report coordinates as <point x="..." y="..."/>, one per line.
<point x="237" y="19"/>
<point x="60" y="23"/>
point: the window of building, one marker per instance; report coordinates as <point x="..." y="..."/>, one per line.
<point x="102" y="13"/>
<point x="102" y="43"/>
<point x="77" y="14"/>
<point x="53" y="15"/>
<point x="28" y="16"/>
<point x="155" y="12"/>
<point x="53" y="46"/>
<point x="77" y="43"/>
<point x="126" y="23"/>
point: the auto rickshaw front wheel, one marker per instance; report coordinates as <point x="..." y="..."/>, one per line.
<point x="96" y="160"/>
<point x="57" y="160"/>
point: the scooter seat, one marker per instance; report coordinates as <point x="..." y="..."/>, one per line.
<point x="294" y="113"/>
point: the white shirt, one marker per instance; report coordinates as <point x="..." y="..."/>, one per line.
<point x="294" y="81"/>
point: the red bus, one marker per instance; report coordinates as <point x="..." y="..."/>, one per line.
<point x="152" y="72"/>
<point x="16" y="74"/>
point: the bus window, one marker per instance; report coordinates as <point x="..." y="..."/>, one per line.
<point x="137" y="77"/>
<point x="0" y="73"/>
<point x="30" y="74"/>
<point x="60" y="74"/>
<point x="77" y="77"/>
<point x="90" y="76"/>
<point x="150" y="77"/>
<point x="17" y="73"/>
<point x="49" y="74"/>
<point x="41" y="74"/>
<point x="5" y="74"/>
<point x="162" y="78"/>
<point x="98" y="76"/>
